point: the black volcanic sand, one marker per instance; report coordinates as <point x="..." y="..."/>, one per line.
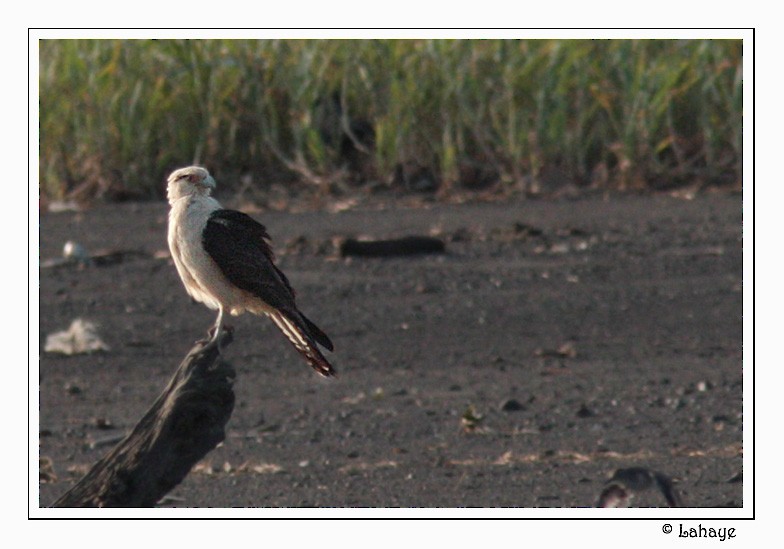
<point x="553" y="343"/>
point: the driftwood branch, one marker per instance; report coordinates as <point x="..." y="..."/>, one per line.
<point x="181" y="427"/>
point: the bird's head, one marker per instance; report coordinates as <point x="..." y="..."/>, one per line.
<point x="193" y="180"/>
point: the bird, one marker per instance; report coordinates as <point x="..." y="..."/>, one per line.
<point x="225" y="260"/>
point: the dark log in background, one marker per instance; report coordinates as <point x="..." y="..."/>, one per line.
<point x="186" y="422"/>
<point x="409" y="245"/>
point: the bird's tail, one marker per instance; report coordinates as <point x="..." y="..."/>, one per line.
<point x="299" y="331"/>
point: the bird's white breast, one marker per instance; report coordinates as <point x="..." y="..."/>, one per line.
<point x="200" y="275"/>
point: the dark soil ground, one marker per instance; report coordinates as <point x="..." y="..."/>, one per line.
<point x="554" y="342"/>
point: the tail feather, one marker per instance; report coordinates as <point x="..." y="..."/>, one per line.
<point x="320" y="337"/>
<point x="303" y="341"/>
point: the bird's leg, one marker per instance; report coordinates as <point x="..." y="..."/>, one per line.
<point x="217" y="327"/>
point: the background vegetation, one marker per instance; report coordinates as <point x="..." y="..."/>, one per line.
<point x="117" y="115"/>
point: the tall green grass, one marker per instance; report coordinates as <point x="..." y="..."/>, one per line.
<point x="117" y="115"/>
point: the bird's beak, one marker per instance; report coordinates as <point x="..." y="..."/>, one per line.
<point x="209" y="182"/>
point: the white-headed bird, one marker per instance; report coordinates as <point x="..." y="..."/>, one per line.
<point x="225" y="261"/>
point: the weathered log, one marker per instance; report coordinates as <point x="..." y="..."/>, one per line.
<point x="185" y="423"/>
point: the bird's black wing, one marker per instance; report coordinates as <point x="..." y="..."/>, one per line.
<point x="240" y="247"/>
